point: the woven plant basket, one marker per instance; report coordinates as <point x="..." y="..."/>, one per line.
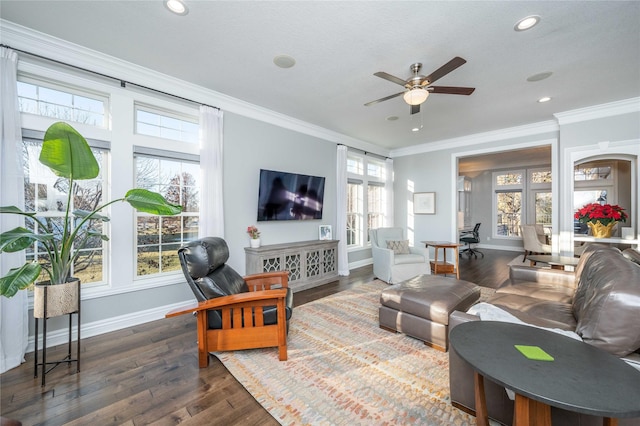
<point x="61" y="299"/>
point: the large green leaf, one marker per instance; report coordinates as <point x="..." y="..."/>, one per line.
<point x="151" y="202"/>
<point x="67" y="153"/>
<point x="19" y="278"/>
<point x="15" y="210"/>
<point x="19" y="239"/>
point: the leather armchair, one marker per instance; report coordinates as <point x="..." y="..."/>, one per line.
<point x="233" y="312"/>
<point x="393" y="267"/>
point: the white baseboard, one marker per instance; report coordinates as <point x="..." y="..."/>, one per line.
<point x="360" y="263"/>
<point x="61" y="336"/>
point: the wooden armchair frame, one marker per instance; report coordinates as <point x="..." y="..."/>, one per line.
<point x="242" y="318"/>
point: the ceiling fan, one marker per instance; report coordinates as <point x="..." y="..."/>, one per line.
<point x="418" y="87"/>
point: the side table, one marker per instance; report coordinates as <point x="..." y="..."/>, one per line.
<point x="442" y="266"/>
<point x="580" y="378"/>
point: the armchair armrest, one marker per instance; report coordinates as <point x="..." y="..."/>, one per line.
<point x="382" y="256"/>
<point x="266" y="280"/>
<point x="258" y="298"/>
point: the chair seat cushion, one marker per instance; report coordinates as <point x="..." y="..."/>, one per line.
<point x="402" y="259"/>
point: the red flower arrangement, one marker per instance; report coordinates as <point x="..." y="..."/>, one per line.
<point x="606" y="214"/>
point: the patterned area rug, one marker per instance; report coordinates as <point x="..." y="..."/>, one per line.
<point x="344" y="370"/>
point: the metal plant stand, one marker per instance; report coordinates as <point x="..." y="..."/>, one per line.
<point x="67" y="359"/>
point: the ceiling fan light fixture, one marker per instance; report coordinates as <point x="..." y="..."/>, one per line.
<point x="416" y="96"/>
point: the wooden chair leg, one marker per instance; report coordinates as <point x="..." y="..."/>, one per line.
<point x="203" y="353"/>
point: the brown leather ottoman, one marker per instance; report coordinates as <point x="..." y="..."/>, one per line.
<point x="420" y="307"/>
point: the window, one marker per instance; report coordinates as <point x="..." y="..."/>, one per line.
<point x="50" y="100"/>
<point x="47" y="195"/>
<point x="159" y="237"/>
<point x="373" y="206"/>
<point x="508" y="203"/>
<point x="167" y="125"/>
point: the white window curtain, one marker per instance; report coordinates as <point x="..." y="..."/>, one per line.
<point x="388" y="189"/>
<point x="341" y="206"/>
<point x="14" y="324"/>
<point x="211" y="200"/>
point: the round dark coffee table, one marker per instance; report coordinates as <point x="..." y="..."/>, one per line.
<point x="581" y="378"/>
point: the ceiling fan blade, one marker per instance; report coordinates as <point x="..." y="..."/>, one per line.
<point x="415" y="109"/>
<point x="445" y="69"/>
<point x="386" y="98"/>
<point x="391" y="78"/>
<point x="451" y="90"/>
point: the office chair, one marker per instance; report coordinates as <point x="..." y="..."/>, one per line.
<point x="471" y="237"/>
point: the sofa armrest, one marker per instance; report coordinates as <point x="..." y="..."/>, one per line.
<point x="530" y="274"/>
<point x="459" y="317"/>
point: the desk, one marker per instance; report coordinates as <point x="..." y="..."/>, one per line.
<point x="582" y="378"/>
<point x="442" y="267"/>
<point x="556" y="262"/>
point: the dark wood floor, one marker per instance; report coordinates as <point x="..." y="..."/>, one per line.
<point x="148" y="374"/>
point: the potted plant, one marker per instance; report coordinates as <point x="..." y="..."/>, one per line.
<point x="69" y="156"/>
<point x="601" y="218"/>
<point x="254" y="234"/>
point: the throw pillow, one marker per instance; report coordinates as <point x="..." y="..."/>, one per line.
<point x="399" y="247"/>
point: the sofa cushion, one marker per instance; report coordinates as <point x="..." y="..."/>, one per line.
<point x="532" y="310"/>
<point x="632" y="254"/>
<point x="398" y="246"/>
<point x="538" y="290"/>
<point x="607" y="302"/>
<point x="388" y="234"/>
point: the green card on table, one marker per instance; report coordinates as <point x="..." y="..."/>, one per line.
<point x="534" y="352"/>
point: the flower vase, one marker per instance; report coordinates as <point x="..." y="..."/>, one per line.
<point x="254" y="242"/>
<point x="598" y="230"/>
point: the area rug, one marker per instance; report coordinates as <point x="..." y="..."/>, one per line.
<point x="344" y="370"/>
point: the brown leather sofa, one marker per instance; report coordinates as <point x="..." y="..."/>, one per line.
<point x="600" y="301"/>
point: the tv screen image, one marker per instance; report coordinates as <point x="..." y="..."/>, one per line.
<point x="290" y="196"/>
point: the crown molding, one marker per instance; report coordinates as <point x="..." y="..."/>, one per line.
<point x="47" y="46"/>
<point x="626" y="106"/>
<point x="480" y="138"/>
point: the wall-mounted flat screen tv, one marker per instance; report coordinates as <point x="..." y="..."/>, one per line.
<point x="290" y="196"/>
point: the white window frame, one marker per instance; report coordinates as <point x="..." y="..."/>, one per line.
<point x="365" y="179"/>
<point x="496" y="189"/>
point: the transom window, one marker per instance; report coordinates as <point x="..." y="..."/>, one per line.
<point x="63" y="103"/>
<point x="167" y="125"/>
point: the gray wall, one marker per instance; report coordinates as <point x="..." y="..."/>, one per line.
<point x="251" y="145"/>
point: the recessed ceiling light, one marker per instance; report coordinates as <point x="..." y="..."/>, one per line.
<point x="544" y="99"/>
<point x="416" y="129"/>
<point x="526" y="23"/>
<point x="539" y="76"/>
<point x="284" y="61"/>
<point x="392" y="118"/>
<point x="176" y="6"/>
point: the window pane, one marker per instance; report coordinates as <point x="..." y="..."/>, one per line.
<point x="509" y="179"/>
<point x="375" y="205"/>
<point x="543" y="208"/>
<point x="354" y="214"/>
<point x="60" y="103"/>
<point x="156" y="124"/>
<point x="592" y="173"/>
<point x="541" y="177"/>
<point x="509" y="206"/>
<point x="376" y="169"/>
<point x="355" y="165"/>
<point x="158" y="238"/>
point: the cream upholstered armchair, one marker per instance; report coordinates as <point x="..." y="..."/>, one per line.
<point x="534" y="240"/>
<point x="393" y="259"/>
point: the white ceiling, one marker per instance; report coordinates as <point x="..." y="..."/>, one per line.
<point x="592" y="48"/>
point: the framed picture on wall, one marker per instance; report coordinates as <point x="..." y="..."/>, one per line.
<point x="424" y="203"/>
<point x="324" y="233"/>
